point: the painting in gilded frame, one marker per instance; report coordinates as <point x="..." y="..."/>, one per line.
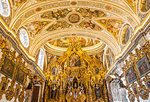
<point x="148" y="84"/>
<point x="143" y="65"/>
<point x="20" y="75"/>
<point x="8" y="67"/>
<point x="131" y="75"/>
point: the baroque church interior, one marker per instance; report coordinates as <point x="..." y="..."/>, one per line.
<point x="74" y="50"/>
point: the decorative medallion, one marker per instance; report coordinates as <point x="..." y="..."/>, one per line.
<point x="74" y="18"/>
<point x="73" y="3"/>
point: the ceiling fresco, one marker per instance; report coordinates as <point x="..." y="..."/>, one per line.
<point x="80" y="18"/>
<point x="101" y="28"/>
<point x="145" y="5"/>
<point x="88" y="13"/>
<point x="59" y="25"/>
<point x="35" y="27"/>
<point x="75" y="45"/>
<point x="60" y="13"/>
<point x="66" y="41"/>
<point x="89" y="17"/>
<point x="112" y="25"/>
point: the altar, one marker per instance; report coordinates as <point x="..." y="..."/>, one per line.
<point x="75" y="77"/>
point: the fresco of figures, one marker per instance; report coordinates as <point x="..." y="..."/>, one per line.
<point x="90" y="25"/>
<point x="58" y="25"/>
<point x="88" y="13"/>
<point x="65" y="42"/>
<point x="62" y="13"/>
<point x="55" y="14"/>
<point x="35" y="27"/>
<point x="112" y="25"/>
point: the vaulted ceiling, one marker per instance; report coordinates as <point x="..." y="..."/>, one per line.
<point x="53" y="24"/>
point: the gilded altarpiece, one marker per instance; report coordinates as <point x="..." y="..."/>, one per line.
<point x="14" y="72"/>
<point x="75" y="77"/>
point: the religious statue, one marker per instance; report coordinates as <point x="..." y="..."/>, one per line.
<point x="53" y="92"/>
<point x="97" y="92"/>
<point x="54" y="70"/>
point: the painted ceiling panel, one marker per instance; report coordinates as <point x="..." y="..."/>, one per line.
<point x="112" y="25"/>
<point x="66" y="41"/>
<point x="40" y="17"/>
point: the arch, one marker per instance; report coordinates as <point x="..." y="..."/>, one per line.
<point x="43" y="39"/>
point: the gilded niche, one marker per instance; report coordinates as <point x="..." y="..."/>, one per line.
<point x="66" y="18"/>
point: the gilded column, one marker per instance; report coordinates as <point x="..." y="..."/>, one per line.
<point x="90" y="94"/>
<point x="87" y="95"/>
<point x="46" y="94"/>
<point x="61" y="98"/>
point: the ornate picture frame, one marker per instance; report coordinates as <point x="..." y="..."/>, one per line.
<point x="147" y="81"/>
<point x="143" y="65"/>
<point x="131" y="96"/>
<point x="135" y="90"/>
<point x="131" y="75"/>
<point x="8" y="67"/>
<point x="20" y="75"/>
<point x="143" y="92"/>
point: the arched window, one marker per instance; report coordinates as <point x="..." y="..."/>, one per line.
<point x="4" y="8"/>
<point x="41" y="59"/>
<point x="24" y="38"/>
